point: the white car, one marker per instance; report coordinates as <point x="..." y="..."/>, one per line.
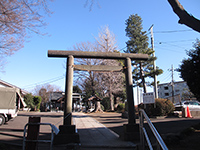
<point x="193" y="105"/>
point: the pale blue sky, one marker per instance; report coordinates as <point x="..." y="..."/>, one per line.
<point x="73" y="23"/>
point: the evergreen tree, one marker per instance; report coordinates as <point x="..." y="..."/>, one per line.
<point x="76" y="89"/>
<point x="138" y="43"/>
<point x="37" y="100"/>
<point x="190" y="69"/>
<point x="28" y="98"/>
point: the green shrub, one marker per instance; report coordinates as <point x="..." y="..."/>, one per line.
<point x="121" y="107"/>
<point x="106" y="103"/>
<point x="163" y="107"/>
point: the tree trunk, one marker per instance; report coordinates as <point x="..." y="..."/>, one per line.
<point x="143" y="79"/>
<point x="111" y="101"/>
<point x="97" y="107"/>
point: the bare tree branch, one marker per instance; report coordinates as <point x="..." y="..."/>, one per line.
<point x="18" y="18"/>
<point x="91" y="4"/>
<point x="184" y="16"/>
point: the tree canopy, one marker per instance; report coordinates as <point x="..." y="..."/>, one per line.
<point x="44" y="91"/>
<point x="33" y="102"/>
<point x="190" y="69"/>
<point x="138" y="43"/>
<point x="76" y="89"/>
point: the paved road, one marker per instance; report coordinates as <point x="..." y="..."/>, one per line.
<point x="13" y="131"/>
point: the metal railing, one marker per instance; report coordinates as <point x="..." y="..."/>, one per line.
<point x="144" y="135"/>
<point x="54" y="129"/>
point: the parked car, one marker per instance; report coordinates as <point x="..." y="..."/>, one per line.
<point x="193" y="105"/>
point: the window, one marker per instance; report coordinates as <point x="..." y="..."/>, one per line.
<point x="166" y="94"/>
<point x="177" y="91"/>
<point x="166" y="88"/>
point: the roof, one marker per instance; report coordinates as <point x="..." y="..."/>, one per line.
<point x="56" y="95"/>
<point x="6" y="84"/>
<point x="170" y="82"/>
<point x="59" y="96"/>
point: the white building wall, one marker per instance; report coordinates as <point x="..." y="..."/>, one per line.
<point x="165" y="90"/>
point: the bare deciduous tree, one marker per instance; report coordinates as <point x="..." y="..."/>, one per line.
<point x="47" y="87"/>
<point x="105" y="84"/>
<point x="87" y="80"/>
<point x="17" y="17"/>
<point x="113" y="82"/>
<point x="44" y="92"/>
<point x="91" y="3"/>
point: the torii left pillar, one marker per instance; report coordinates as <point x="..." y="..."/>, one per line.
<point x="68" y="91"/>
<point x="67" y="132"/>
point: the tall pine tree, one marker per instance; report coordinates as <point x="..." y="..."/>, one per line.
<point x="138" y="43"/>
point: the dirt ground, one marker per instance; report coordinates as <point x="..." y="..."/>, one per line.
<point x="177" y="133"/>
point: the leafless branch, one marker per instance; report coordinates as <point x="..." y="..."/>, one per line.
<point x="184" y="16"/>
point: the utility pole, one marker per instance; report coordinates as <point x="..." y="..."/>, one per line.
<point x="172" y="83"/>
<point x="138" y="96"/>
<point x="154" y="64"/>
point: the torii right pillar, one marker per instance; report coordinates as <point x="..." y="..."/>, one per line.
<point x="131" y="130"/>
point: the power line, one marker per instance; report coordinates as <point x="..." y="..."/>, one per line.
<point x="44" y="82"/>
<point x="166" y="49"/>
<point x="172" y="31"/>
<point x="122" y="48"/>
<point x="164" y="77"/>
<point x="174" y="45"/>
<point x="160" y="42"/>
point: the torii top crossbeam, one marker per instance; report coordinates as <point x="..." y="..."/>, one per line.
<point x="97" y="55"/>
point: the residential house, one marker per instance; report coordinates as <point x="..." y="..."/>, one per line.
<point x="57" y="101"/>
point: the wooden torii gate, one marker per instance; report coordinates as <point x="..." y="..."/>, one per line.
<point x="70" y="55"/>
